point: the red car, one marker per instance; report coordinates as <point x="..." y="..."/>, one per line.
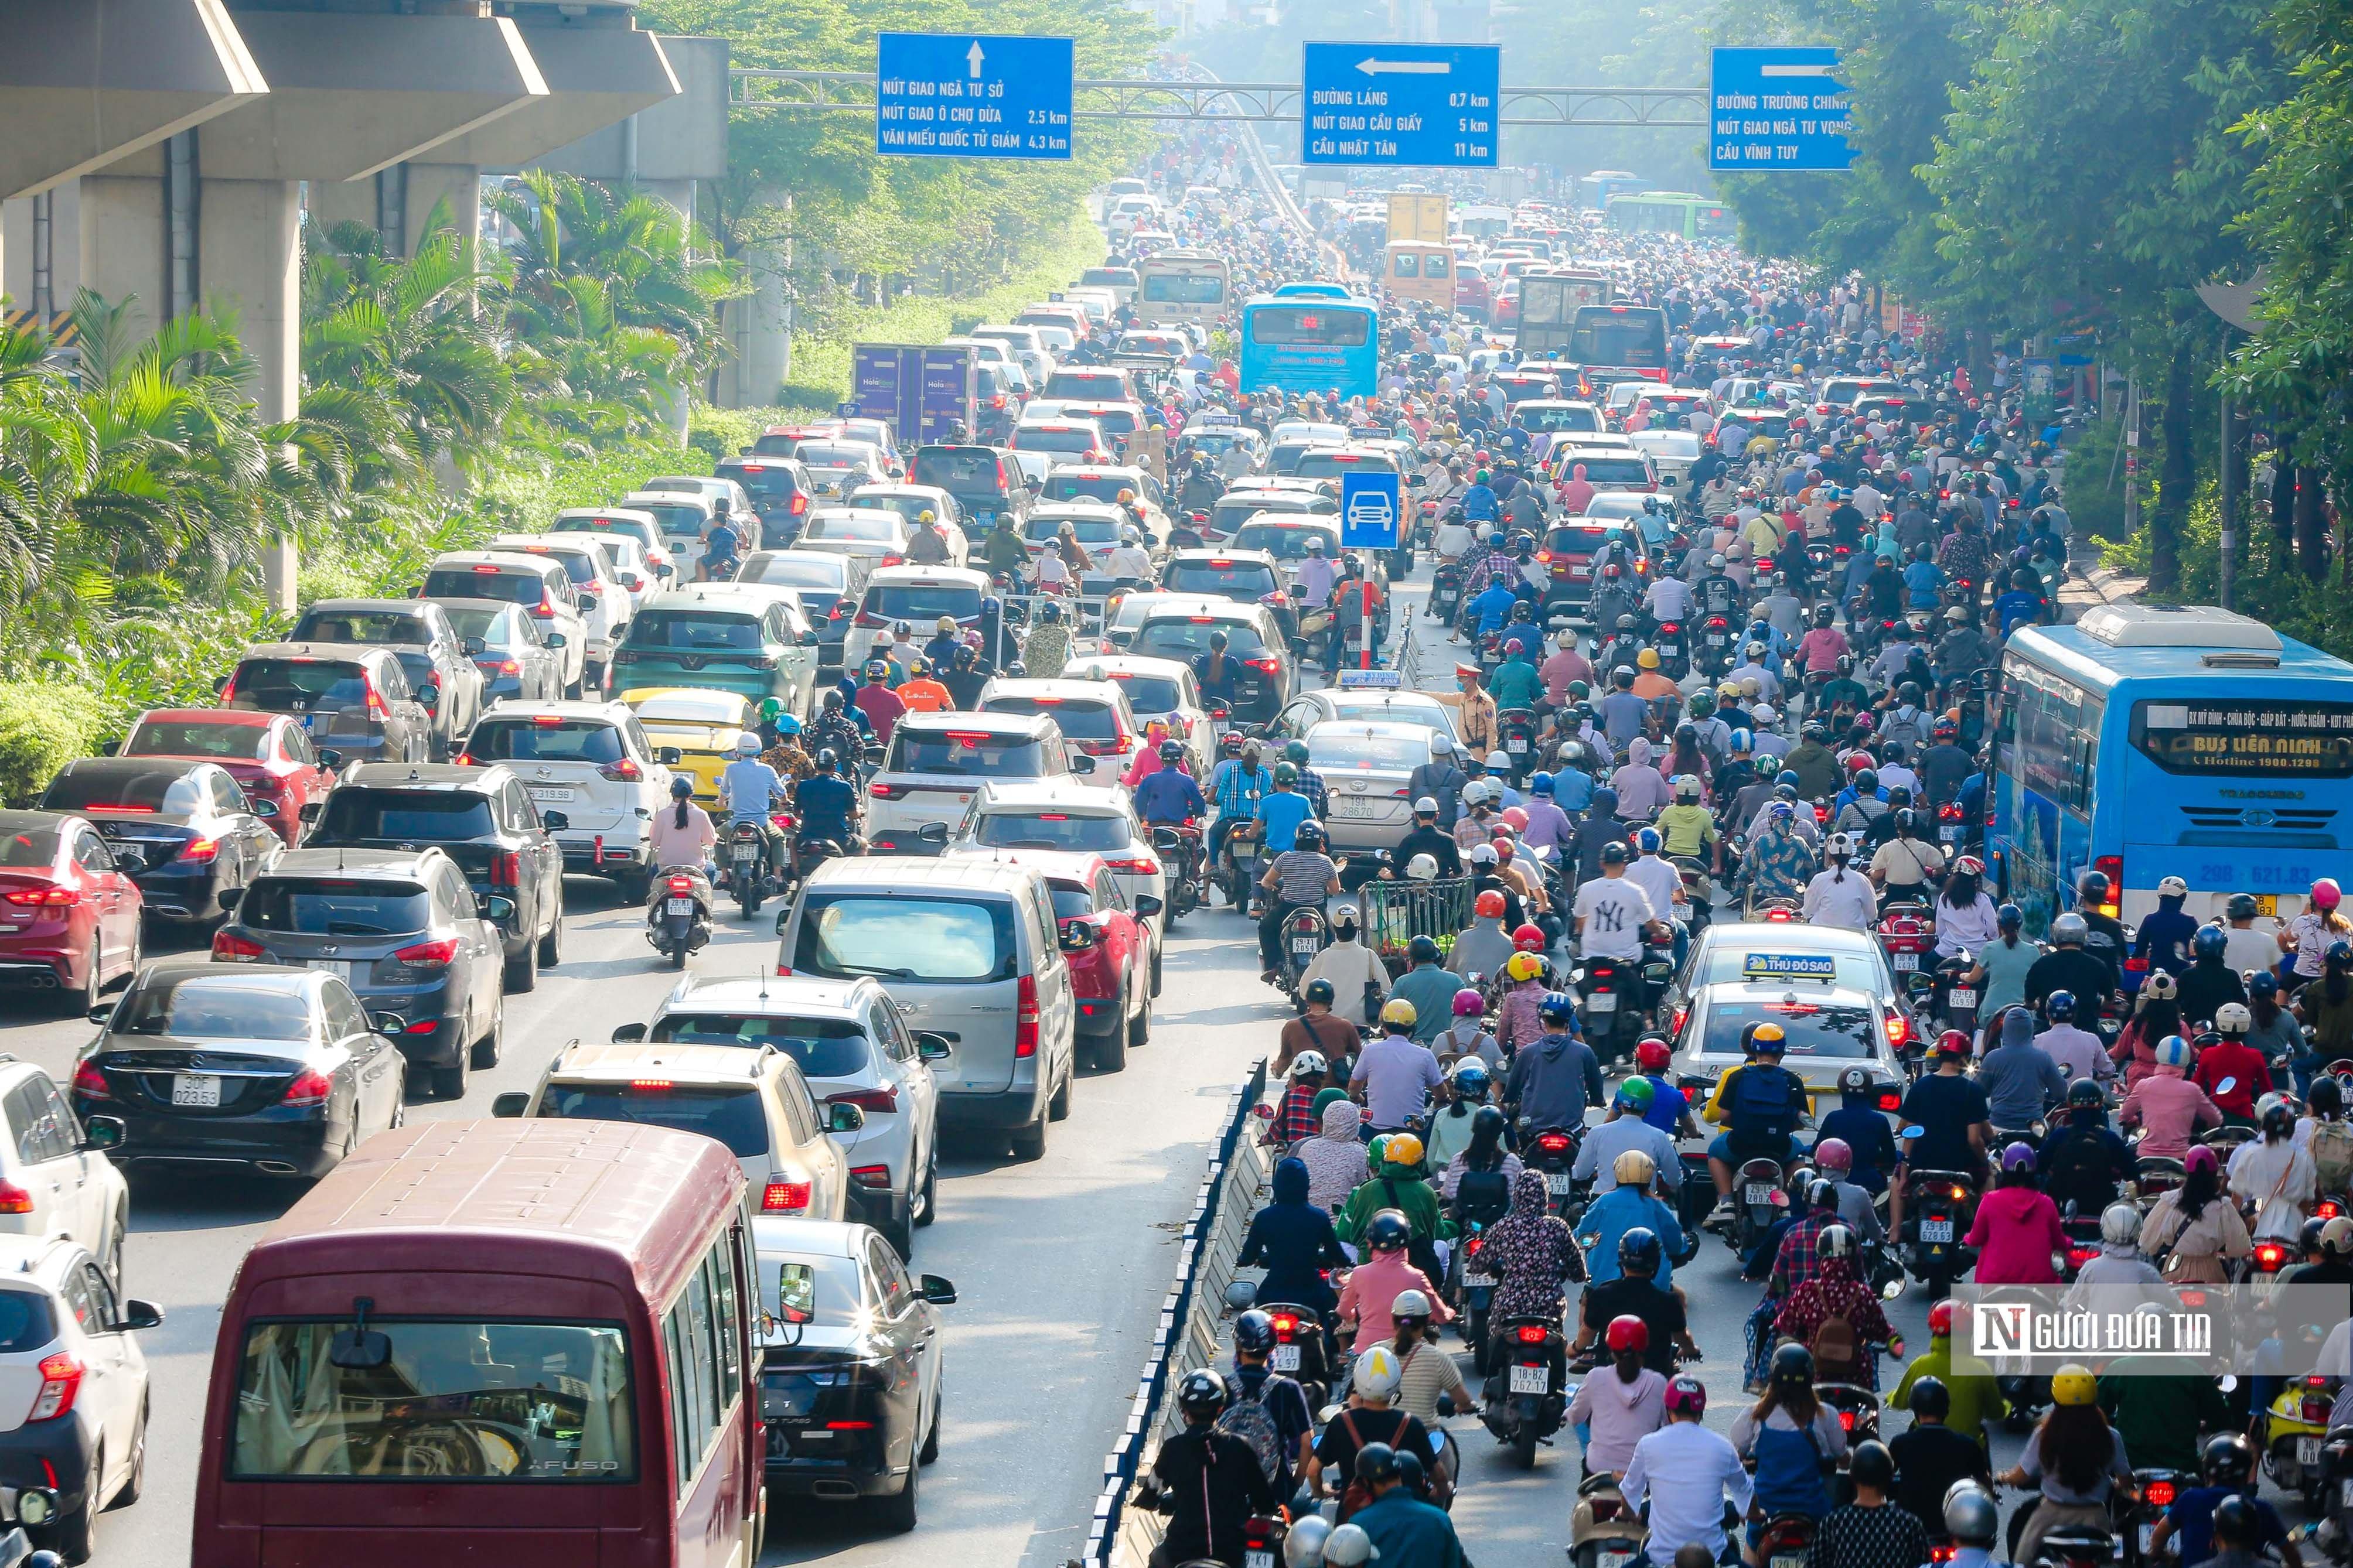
<point x="68" y="915"/>
<point x="1105" y="941"/>
<point x="269" y="754"/>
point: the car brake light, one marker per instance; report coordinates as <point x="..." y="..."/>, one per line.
<point x="875" y="1176"/>
<point x="622" y="772"/>
<point x="1264" y="666"/>
<point x="15" y="1199"/>
<point x="1134" y="865"/>
<point x="882" y="789"/>
<point x="377" y="712"/>
<point x="230" y="948"/>
<point x="429" y="954"/>
<point x="44" y="898"/>
<point x="784" y="1197"/>
<point x="544" y="610"/>
<point x="1025" y="1016"/>
<point x="1531" y="1334"/>
<point x="60" y="1381"/>
<point x="1899" y="1029"/>
<point x="200" y="849"/>
<point x="309" y="1087"/>
<point x="506" y="870"/>
<point x="883" y="1098"/>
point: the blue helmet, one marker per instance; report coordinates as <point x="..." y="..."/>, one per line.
<point x="1556" y="1006"/>
<point x="1648" y="841"/>
<point x="2009" y="917"/>
<point x="2061" y="1005"/>
<point x="1540" y="783"/>
<point x="1742" y="740"/>
<point x="2209" y="942"/>
<point x="1604" y="803"/>
<point x="788" y="725"/>
<point x="1787" y="776"/>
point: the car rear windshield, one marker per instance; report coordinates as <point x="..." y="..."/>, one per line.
<point x="675" y="519"/>
<point x="163" y="789"/>
<point x="1284" y="541"/>
<point x="1085" y="529"/>
<point x="1323" y="465"/>
<point x="935" y="939"/>
<point x="26" y="843"/>
<point x="269" y="685"/>
<point x="1051" y="830"/>
<point x="216" y="1007"/>
<point x="1150" y="693"/>
<point x="1079" y="718"/>
<point x="833" y="455"/>
<point x="1221" y="577"/>
<point x="1547" y="421"/>
<point x="488" y="622"/>
<point x="1356" y="754"/>
<point x="974" y="754"/>
<point x="785" y="570"/>
<point x="1086" y="384"/>
<point x="735" y="1116"/>
<point x="546" y="740"/>
<point x="961" y="470"/>
<point x="1068" y="486"/>
<point x="764" y="481"/>
<point x="459" y="1401"/>
<point x="867" y="526"/>
<point x="580" y="566"/>
<point x="694" y="631"/>
<point x="1813" y="1028"/>
<point x="923" y="601"/>
<point x="425" y="815"/>
<point x="25" y="1320"/>
<point x="1728" y="963"/>
<point x="1038" y="438"/>
<point x="1575" y="540"/>
<point x="334" y="906"/>
<point x="825" y="1047"/>
<point x="200" y="738"/>
<point x="1614" y="471"/>
<point x="380" y="626"/>
<point x="484" y="583"/>
<point x="1186" y="637"/>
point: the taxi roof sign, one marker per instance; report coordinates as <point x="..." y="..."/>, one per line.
<point x="1789" y="966"/>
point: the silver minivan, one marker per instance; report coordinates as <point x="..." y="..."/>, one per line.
<point x="967" y="950"/>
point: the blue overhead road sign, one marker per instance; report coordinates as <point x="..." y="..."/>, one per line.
<point x="960" y="95"/>
<point x="1368" y="511"/>
<point x="1413" y="105"/>
<point x="1778" y="108"/>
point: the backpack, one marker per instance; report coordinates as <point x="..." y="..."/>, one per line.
<point x="2079" y="1162"/>
<point x="1761" y="1100"/>
<point x="2332" y="1154"/>
<point x="1837" y="1350"/>
<point x="1250" y="1420"/>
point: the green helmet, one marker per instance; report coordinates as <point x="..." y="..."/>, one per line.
<point x="1296" y="750"/>
<point x="1701" y="704"/>
<point x="1285" y="773"/>
<point x="770" y="707"/>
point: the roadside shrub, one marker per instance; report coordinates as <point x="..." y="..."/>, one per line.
<point x="43" y="725"/>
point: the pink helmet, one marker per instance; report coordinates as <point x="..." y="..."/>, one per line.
<point x="2326" y="894"/>
<point x="1468" y="1003"/>
<point x="1832" y="1154"/>
<point x="1517" y="817"/>
<point x="2199" y="1158"/>
<point x="1686" y="1395"/>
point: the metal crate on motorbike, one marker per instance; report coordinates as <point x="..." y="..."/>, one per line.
<point x="1398" y="912"/>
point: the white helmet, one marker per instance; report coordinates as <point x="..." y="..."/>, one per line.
<point x="1426" y="804"/>
<point x="1423" y="868"/>
<point x="1716" y="560"/>
<point x="1568" y="638"/>
<point x="1839" y="844"/>
<point x="1378" y="1373"/>
<point x="1307" y="1063"/>
<point x="1348" y="1547"/>
<point x="1687" y="787"/>
<point x="1346" y="914"/>
<point x="2173" y="887"/>
<point x="1442" y="743"/>
<point x="2120" y="1225"/>
<point x="2233" y="1018"/>
<point x="1474" y="793"/>
<point x="1304" y="1546"/>
<point x="1498" y="760"/>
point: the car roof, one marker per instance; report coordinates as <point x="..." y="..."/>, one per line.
<point x="740" y="599"/>
<point x="681" y="1063"/>
<point x="36" y="1259"/>
<point x="1069" y="686"/>
<point x="883" y="576"/>
<point x="895" y="873"/>
<point x="991" y="724"/>
<point x="422" y="776"/>
<point x="324" y="652"/>
<point x="238" y="716"/>
<point x="516" y="560"/>
<point x="618" y="513"/>
<point x="691" y="702"/>
<point x="1114" y="665"/>
<point x="759" y="994"/>
<point x="1777" y="935"/>
<point x="1065" y="865"/>
<point x="1374" y="728"/>
<point x="378" y="606"/>
<point x="345" y="862"/>
<point x="1070" y="794"/>
<point x="610" y="709"/>
<point x="1255" y="557"/>
<point x="1214" y="609"/>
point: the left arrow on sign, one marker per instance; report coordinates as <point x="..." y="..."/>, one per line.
<point x="1404" y="67"/>
<point x="973" y="56"/>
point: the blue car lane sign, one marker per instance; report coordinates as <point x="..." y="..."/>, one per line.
<point x="1789" y="966"/>
<point x="961" y="95"/>
<point x="1368" y="511"/>
<point x="1400" y="105"/>
<point x="1778" y="108"/>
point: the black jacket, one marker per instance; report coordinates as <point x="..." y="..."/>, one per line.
<point x="1438" y="846"/>
<point x="1213" y="1482"/>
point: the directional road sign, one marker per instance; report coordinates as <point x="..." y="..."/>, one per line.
<point x="1413" y="105"/>
<point x="958" y="95"/>
<point x="1778" y="108"/>
<point x="1369" y="512"/>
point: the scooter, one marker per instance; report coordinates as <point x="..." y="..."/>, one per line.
<point x="1180" y="851"/>
<point x="1935" y="1210"/>
<point x="1237" y="870"/>
<point x="1903" y="935"/>
<point x="1757" y="1199"/>
<point x="1714" y="654"/>
<point x="2295" y="1437"/>
<point x="1610" y="995"/>
<point x="1857" y="1407"/>
<point x="1305" y="933"/>
<point x="678" y="916"/>
<point x="1787" y="1542"/>
<point x="1673" y="651"/>
<point x="1525" y="1403"/>
<point x="1262" y="1539"/>
<point x="2153" y="1491"/>
<point x="1551" y="1152"/>
<point x="1603" y="1532"/>
<point x="1445" y="591"/>
<point x="1481" y="1198"/>
<point x="2335" y="1532"/>
<point x="1518" y="728"/>
<point x="748" y="871"/>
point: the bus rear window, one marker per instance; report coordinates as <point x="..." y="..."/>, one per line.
<point x="1614" y="334"/>
<point x="466" y="1402"/>
<point x="1163" y="288"/>
<point x="2242" y="738"/>
<point x="1300" y="325"/>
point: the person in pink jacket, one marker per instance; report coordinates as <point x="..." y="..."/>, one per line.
<point x="2167" y="1105"/>
<point x="2017" y="1227"/>
<point x="2159" y="1015"/>
<point x="1372" y="1289"/>
<point x="1623" y="1405"/>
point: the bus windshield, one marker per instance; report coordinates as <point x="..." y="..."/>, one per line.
<point x="1165" y="286"/>
<point x="1619" y="334"/>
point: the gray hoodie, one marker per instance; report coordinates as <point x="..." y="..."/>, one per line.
<point x="1554" y="1080"/>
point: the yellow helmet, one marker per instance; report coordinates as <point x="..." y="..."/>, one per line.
<point x="1405" y="1149"/>
<point x="1633" y="1168"/>
<point x="926" y="515"/>
<point x="1126" y="496"/>
<point x="1397" y="1010"/>
<point x="1648" y="659"/>
<point x="2073" y="1384"/>
<point x="1523" y="966"/>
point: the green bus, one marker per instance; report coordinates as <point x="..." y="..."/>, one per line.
<point x="1670" y="212"/>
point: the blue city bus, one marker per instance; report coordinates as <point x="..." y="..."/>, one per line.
<point x="2149" y="742"/>
<point x="1302" y="338"/>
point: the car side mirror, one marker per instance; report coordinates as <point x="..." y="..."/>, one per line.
<point x="1920" y="984"/>
<point x="668" y="756"/>
<point x="1082" y="764"/>
<point x="429" y="699"/>
<point x="138" y="1314"/>
<point x="556" y="639"/>
<point x="1167" y="840"/>
<point x="933" y="1048"/>
<point x="472" y="646"/>
<point x="509" y="1106"/>
<point x="100" y="1015"/>
<point x="311" y="810"/>
<point x="784" y="918"/>
<point x="808" y="638"/>
<point x="386" y="1024"/>
<point x="264" y="807"/>
<point x="939" y="1292"/>
<point x="102" y="1131"/>
<point x="330" y="759"/>
<point x="554" y="821"/>
<point x="931" y="832"/>
<point x="231" y="897"/>
<point x="112" y="749"/>
<point x="498" y="908"/>
<point x="1658" y="973"/>
<point x="628" y="1034"/>
<point x="1148" y="906"/>
<point x="220" y="683"/>
<point x="845" y="1118"/>
<point x="1077" y="936"/>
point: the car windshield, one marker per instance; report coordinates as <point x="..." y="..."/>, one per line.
<point x="694" y="631"/>
<point x="334" y="906"/>
<point x="1079" y="718"/>
<point x="216" y="1007"/>
<point x="27" y="840"/>
<point x="425" y="815"/>
<point x="1222" y="577"/>
<point x="924" y="601"/>
<point x="467" y="1402"/>
<point x="167" y="790"/>
<point x="959" y="469"/>
<point x="870" y="526"/>
<point x="1729" y="961"/>
<point x="823" y="1048"/>
<point x="1051" y="830"/>
<point x="790" y="570"/>
<point x="1285" y="542"/>
<point x="269" y="685"/>
<point x="1545" y="419"/>
<point x="546" y="739"/>
<point x="200" y="738"/>
<point x="1150" y="693"/>
<point x="1813" y="1028"/>
<point x="485" y="583"/>
<point x="380" y="626"/>
<point x="730" y="1114"/>
<point x="975" y="753"/>
<point x="1364" y="753"/>
<point x="911" y="509"/>
<point x="1190" y="635"/>
<point x="675" y="518"/>
<point x="895" y="938"/>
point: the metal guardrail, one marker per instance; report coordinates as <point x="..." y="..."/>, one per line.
<point x="1186" y="1334"/>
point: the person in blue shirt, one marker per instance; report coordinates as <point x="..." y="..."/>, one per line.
<point x="1281" y="812"/>
<point x="1629" y="1205"/>
<point x="1924" y="580"/>
<point x="2022" y="604"/>
<point x="1479" y="499"/>
<point x="1494" y="606"/>
<point x="1669" y="1110"/>
<point x="1858" y="1124"/>
<point x="825" y="803"/>
<point x="751" y="789"/>
<point x="1168" y="796"/>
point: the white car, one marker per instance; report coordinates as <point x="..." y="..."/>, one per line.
<point x="1066" y="814"/>
<point x="604" y="604"/>
<point x="542" y="587"/>
<point x="840" y="464"/>
<point x="625" y="558"/>
<point x="73" y="1390"/>
<point x="1093" y="716"/>
<point x="713" y="487"/>
<point x="1029" y="346"/>
<point x="911" y="502"/>
<point x="918" y="596"/>
<point x="853" y="1049"/>
<point x="879" y="534"/>
<point x="53" y="1180"/>
<point x="1365" y="768"/>
<point x="682" y="516"/>
<point x="1162" y="689"/>
<point x="936" y="763"/>
<point x="593" y="761"/>
<point x="1063" y="441"/>
<point x="628" y="523"/>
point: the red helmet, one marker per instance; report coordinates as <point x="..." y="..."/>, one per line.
<point x="1527" y="939"/>
<point x="1940" y="1318"/>
<point x="1686" y="1395"/>
<point x="1651" y="1056"/>
<point x="1628" y="1332"/>
<point x="1489" y="905"/>
<point x="1952" y="1043"/>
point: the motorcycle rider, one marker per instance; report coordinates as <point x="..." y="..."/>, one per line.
<point x="2164" y="934"/>
<point x="1554" y="1081"/>
<point x="683" y="835"/>
<point x="1932" y="1459"/>
<point x="1836" y="896"/>
<point x="1301" y="876"/>
<point x="2082" y="1159"/>
<point x="1439" y="781"/>
<point x="1758" y="1104"/>
<point x="1532" y="1255"/>
<point x="1685" y="1475"/>
<point x="2079" y="1053"/>
<point x="1626" y="1129"/>
<point x="2244" y="1534"/>
<point x="1777" y="863"/>
<point x="1835" y="1162"/>
<point x="750" y="790"/>
<point x="2210" y="981"/>
<point x="1211" y="1479"/>
<point x="1347" y="967"/>
<point x="1389" y="1236"/>
<point x="2120" y="1261"/>
<point x="1971" y="1390"/>
<point x="1486" y="946"/>
<point x="1630" y="1204"/>
<point x="2019" y="1080"/>
<point x="1621" y="1409"/>
<point x="1688" y="829"/>
<point x="1397" y="1524"/>
<point x="1791" y="1436"/>
<point x="2172" y="1106"/>
<point x="1168" y="798"/>
<point x="2067" y="967"/>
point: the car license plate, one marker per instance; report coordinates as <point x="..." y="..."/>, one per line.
<point x="1478" y="1281"/>
<point x="1517" y="745"/>
<point x="1285" y="1358"/>
<point x="546" y="793"/>
<point x="342" y="969"/>
<point x="1936" y="1230"/>
<point x="678" y="906"/>
<point x="1558" y="1181"/>
<point x="1358" y="808"/>
<point x="1531" y="1380"/>
<point x="2307" y="1452"/>
<point x="1906" y="962"/>
<point x="1756" y="1192"/>
<point x="1960" y="997"/>
<point x="1601" y="1002"/>
<point x="195" y="1090"/>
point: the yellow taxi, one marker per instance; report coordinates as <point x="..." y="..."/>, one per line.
<point x="702" y="723"/>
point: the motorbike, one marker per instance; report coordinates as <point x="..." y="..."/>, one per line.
<point x="1757" y="1201"/>
<point x="1610" y="995"/>
<point x="1603" y="1532"/>
<point x="678" y="916"/>
<point x="749" y="872"/>
<point x="1480" y="1199"/>
<point x="2153" y="1176"/>
<point x="2153" y="1491"/>
<point x="2295" y="1437"/>
<point x="2335" y="1531"/>
<point x="1903" y="935"/>
<point x="1552" y="1152"/>
<point x="1952" y="829"/>
<point x="1445" y="591"/>
<point x="1787" y="1542"/>
<point x="2083" y="1231"/>
<point x="1298" y="1350"/>
<point x="1954" y="1003"/>
<point x="1517" y="726"/>
<point x="1700" y="888"/>
<point x="1305" y="933"/>
<point x="1780" y="911"/>
<point x="1673" y="650"/>
<point x="1857" y="1407"/>
<point x="1179" y="849"/>
<point x="1714" y="654"/>
<point x="1525" y="1403"/>
<point x="1936" y="1211"/>
<point x="1237" y="870"/>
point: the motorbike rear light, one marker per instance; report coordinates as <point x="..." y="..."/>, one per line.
<point x="45" y="897"/>
<point x="2270" y="1257"/>
<point x="60" y="1381"/>
<point x="309" y="1087"/>
<point x="1531" y="1334"/>
<point x="1782" y="916"/>
<point x="1551" y="1142"/>
<point x="1025" y="1016"/>
<point x="2328" y="1208"/>
<point x="429" y="954"/>
<point x="506" y="870"/>
<point x="230" y="948"/>
<point x="784" y="1197"/>
<point x="2079" y="1256"/>
<point x="2112" y="867"/>
<point x="681" y="884"/>
<point x="1889" y="1100"/>
<point x="1846" y="1420"/>
<point x="89" y="1082"/>
<point x="883" y="1098"/>
<point x="2158" y="1494"/>
<point x="1285" y="1326"/>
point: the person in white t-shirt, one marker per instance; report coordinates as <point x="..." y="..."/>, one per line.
<point x="1655" y="874"/>
<point x="1613" y="912"/>
<point x="1840" y="895"/>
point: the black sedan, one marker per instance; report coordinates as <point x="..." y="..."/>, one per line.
<point x="850" y="1378"/>
<point x="190" y="821"/>
<point x="275" y="1070"/>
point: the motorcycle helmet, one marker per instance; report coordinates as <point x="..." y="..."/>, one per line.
<point x="680" y="787"/>
<point x="1309" y="836"/>
<point x="2060" y="1006"/>
<point x="1792" y="1368"/>
<point x="1686" y="1395"/>
<point x="1639" y="1252"/>
<point x="1628" y="1333"/>
<point x="2326" y="895"/>
<point x="2200" y="1158"/>
<point x="1172" y="750"/>
<point x="1647" y="840"/>
<point x="1348" y="1546"/>
<point x="2120" y="1225"/>
<point x="747" y="744"/>
<point x="2233" y="1018"/>
<point x="2240" y="907"/>
<point x="1410" y="1304"/>
<point x="1319" y="991"/>
<point x="1309" y="1064"/>
<point x="1557" y="1008"/>
<point x="1389" y="1230"/>
<point x="1854" y="1083"/>
<point x="1652" y="1054"/>
<point x="1540" y="783"/>
<point x="1786" y="779"/>
<point x="1871" y="1466"/>
<point x="1284" y="772"/>
<point x="2226" y="1459"/>
<point x="2261" y="982"/>
<point x="2208" y="942"/>
<point x="1834" y="1241"/>
<point x="1378" y="1375"/>
<point x="1202" y="1394"/>
<point x="1527" y="939"/>
<point x="2085" y="1094"/>
<point x="1305" y="1544"/>
<point x="1254" y="1333"/>
<point x="2173" y="1051"/>
<point x="1632" y="1167"/>
<point x="1762" y="1039"/>
<point x="1839" y="847"/>
<point x="2092" y="888"/>
<point x="1940" y="1320"/>
<point x="1470" y="1080"/>
<point x="827" y="758"/>
<point x="2172" y="888"/>
<point x="2336" y="1239"/>
<point x="1230" y="744"/>
<point x="1523" y="966"/>
<point x="1930" y="1398"/>
<point x="1970" y="1516"/>
<point x="2161" y="986"/>
<point x="1489" y="905"/>
<point x="2018" y="1157"/>
<point x="1399" y="1013"/>
<point x="1423" y="868"/>
<point x="2073" y="1384"/>
<point x="1469" y="1004"/>
<point x="1833" y="1154"/>
<point x="2278" y="1116"/>
<point x="2008" y="917"/>
<point x="2325" y="1097"/>
<point x="1820" y="1192"/>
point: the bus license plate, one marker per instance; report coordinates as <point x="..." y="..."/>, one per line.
<point x="1936" y="1230"/>
<point x="1959" y="997"/>
<point x="1758" y="1193"/>
<point x="1517" y="745"/>
<point x="680" y="906"/>
<point x="1535" y="1380"/>
<point x="1601" y="1002"/>
<point x="1906" y="962"/>
<point x="1285" y="1358"/>
<point x="1558" y="1181"/>
<point x="197" y="1091"/>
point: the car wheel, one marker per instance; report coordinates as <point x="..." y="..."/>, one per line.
<point x="927" y="1203"/>
<point x="83" y="997"/>
<point x="551" y="946"/>
<point x="136" y="1481"/>
<point x="1030" y="1142"/>
<point x="931" y="1451"/>
<point x="522" y="969"/>
<point x="898" y="1510"/>
<point x="635" y="884"/>
<point x="450" y="1082"/>
<point x="114" y="1249"/>
<point x="1139" y="1028"/>
<point x="69" y="1536"/>
<point x="484" y="1052"/>
<point x="1058" y="1107"/>
<point x="901" y="1235"/>
<point x="1111" y="1051"/>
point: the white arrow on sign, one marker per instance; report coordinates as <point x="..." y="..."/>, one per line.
<point x="1795" y="70"/>
<point x="1404" y="67"/>
<point x="973" y="56"/>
